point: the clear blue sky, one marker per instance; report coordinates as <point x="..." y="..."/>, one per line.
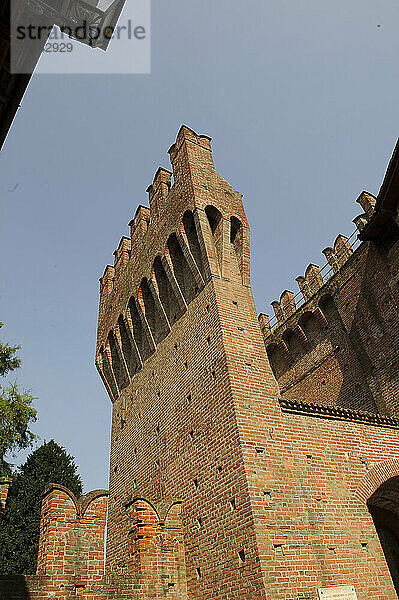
<point x="301" y="100"/>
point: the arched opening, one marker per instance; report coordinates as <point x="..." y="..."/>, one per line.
<point x="139" y="334"/>
<point x="167" y="296"/>
<point x="155" y="318"/>
<point x="236" y="239"/>
<point x="312" y="327"/>
<point x="108" y="372"/>
<point x="129" y="351"/>
<point x="193" y="241"/>
<point x="279" y="360"/>
<point x="215" y="221"/>
<point x="384" y="508"/>
<point x="294" y="344"/>
<point x="331" y="313"/>
<point x="116" y="363"/>
<point x="181" y="269"/>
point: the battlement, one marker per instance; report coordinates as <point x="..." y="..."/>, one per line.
<point x="313" y="341"/>
<point x="194" y="229"/>
<point x="72" y="533"/>
<point x="314" y="278"/>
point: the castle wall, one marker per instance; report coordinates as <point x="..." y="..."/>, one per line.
<point x="334" y="349"/>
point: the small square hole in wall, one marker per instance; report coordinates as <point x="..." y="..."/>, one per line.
<point x="135" y="451"/>
<point x="158" y="464"/>
<point x="235" y="302"/>
<point x="259" y="450"/>
<point x="199" y="521"/>
<point x="279" y="549"/>
<point x="139" y="416"/>
<point x="157" y="430"/>
<point x="241" y="557"/>
<point x="191" y="434"/>
<point x="186" y="365"/>
<point x="189" y="399"/>
<point x="208" y="339"/>
<point x="267" y="497"/>
<point x="208" y="308"/>
<point x="195" y="482"/>
<point x="198" y="571"/>
<point x="116" y="469"/>
<point x="213" y="375"/>
<point x="232" y="504"/>
<point x="153" y="373"/>
<point x="364" y="545"/>
<point x="309" y="458"/>
<point x="175" y="346"/>
<point x="220" y="468"/>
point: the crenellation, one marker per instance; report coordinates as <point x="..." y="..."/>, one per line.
<point x="367" y="201"/>
<point x="264" y="323"/>
<point x="122" y="255"/>
<point x="158" y="191"/>
<point x="311" y="282"/>
<point x="287" y="303"/>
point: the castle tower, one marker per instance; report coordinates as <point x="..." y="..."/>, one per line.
<point x="219" y="487"/>
<point x="182" y="357"/>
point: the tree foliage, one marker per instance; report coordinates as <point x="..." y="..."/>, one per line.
<point x="8" y="362"/>
<point x="16" y="411"/>
<point x="19" y="531"/>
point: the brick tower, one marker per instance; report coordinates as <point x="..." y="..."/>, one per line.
<point x="220" y="487"/>
<point x="182" y="356"/>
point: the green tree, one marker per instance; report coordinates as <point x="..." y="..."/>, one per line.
<point x="19" y="531"/>
<point x="16" y="410"/>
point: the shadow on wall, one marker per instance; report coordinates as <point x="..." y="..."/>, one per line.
<point x="13" y="588"/>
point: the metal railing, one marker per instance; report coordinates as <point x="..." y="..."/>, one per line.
<point x="328" y="273"/>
